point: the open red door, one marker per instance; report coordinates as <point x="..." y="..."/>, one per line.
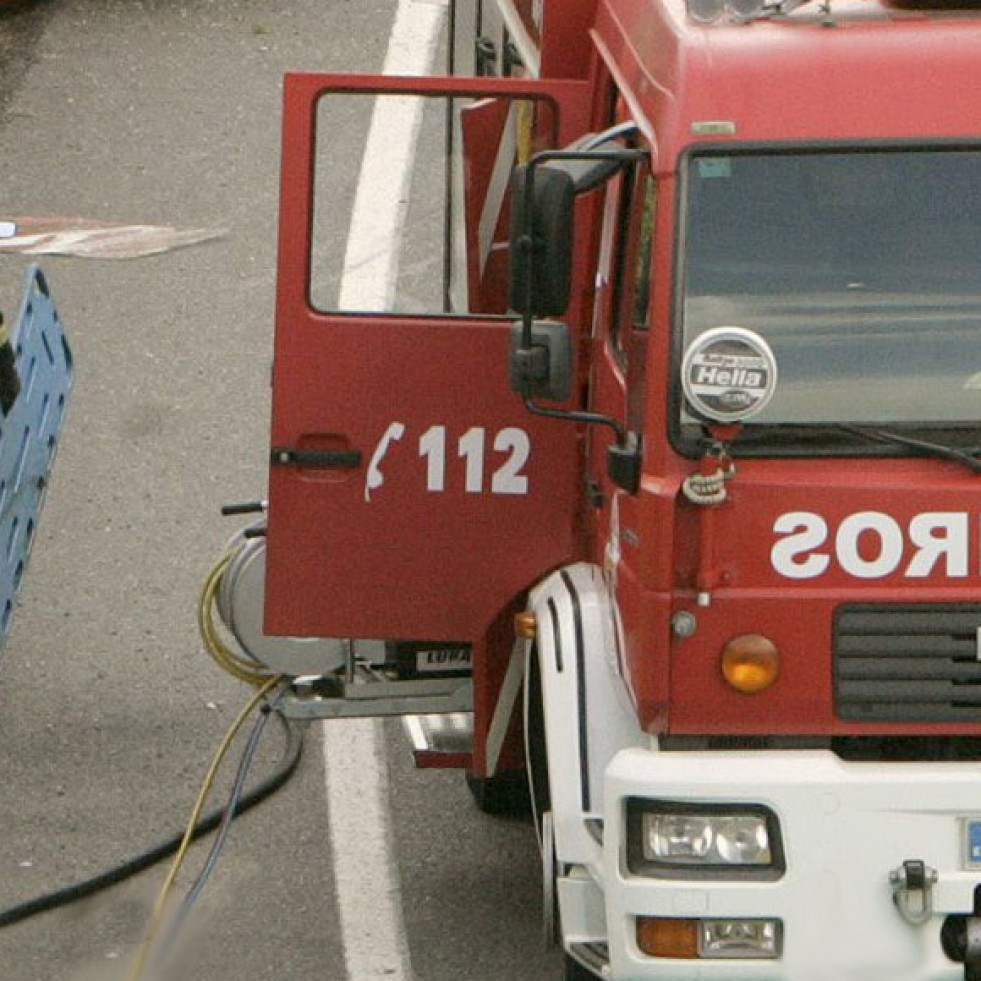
<point x="411" y="493"/>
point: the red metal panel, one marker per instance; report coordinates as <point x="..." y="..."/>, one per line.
<point x="565" y="38"/>
<point x="763" y="491"/>
<point x="426" y="760"/>
<point x="408" y="556"/>
<point x="404" y="559"/>
<point x="861" y="565"/>
<point x="882" y="73"/>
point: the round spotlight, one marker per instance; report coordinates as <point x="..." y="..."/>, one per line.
<point x="706" y="11"/>
<point x="745" y="9"/>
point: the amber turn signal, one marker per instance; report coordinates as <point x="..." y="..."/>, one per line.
<point x="750" y="663"/>
<point x="658" y="937"/>
<point x="525" y="625"/>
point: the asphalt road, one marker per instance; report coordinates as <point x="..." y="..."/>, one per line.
<point x="168" y="111"/>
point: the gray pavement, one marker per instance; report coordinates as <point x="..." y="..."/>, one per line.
<point x="168" y="111"/>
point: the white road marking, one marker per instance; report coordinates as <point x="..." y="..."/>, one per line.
<point x="365" y="873"/>
<point x="382" y="199"/>
<point x="365" y="869"/>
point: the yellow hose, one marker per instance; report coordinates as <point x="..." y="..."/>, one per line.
<point x="235" y="664"/>
<point x="156" y="917"/>
<point x="244" y="670"/>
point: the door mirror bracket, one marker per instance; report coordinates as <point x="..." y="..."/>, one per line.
<point x="623" y="461"/>
<point x="543" y="368"/>
<point x="544" y="193"/>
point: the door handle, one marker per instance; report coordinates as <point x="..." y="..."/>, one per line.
<point x="323" y="459"/>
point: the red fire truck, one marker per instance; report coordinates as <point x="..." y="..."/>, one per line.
<point x="675" y="484"/>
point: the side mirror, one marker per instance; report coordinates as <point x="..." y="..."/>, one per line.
<point x="541" y="240"/>
<point x="545" y="369"/>
<point x="541" y="233"/>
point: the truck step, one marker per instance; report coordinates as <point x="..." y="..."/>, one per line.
<point x="441" y="740"/>
<point x="594" y="955"/>
<point x="371" y="692"/>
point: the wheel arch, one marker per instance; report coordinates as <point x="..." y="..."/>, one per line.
<point x="587" y="713"/>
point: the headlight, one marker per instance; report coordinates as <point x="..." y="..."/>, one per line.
<point x="677" y="837"/>
<point x="744" y="841"/>
<point x="758" y="939"/>
<point x="673" y="840"/>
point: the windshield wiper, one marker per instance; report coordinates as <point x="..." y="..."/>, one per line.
<point x="924" y="446"/>
<point x="810" y="432"/>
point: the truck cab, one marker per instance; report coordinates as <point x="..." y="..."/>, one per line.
<point x="703" y="413"/>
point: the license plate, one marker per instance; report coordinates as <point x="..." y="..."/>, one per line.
<point x="971" y="853"/>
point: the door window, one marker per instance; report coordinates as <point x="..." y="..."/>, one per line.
<point x="628" y="233"/>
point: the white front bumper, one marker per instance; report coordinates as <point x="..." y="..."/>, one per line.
<point x="844" y="827"/>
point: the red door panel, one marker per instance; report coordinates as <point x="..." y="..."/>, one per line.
<point x="411" y="493"/>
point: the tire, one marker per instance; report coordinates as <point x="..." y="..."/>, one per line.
<point x="574" y="971"/>
<point x="505" y="795"/>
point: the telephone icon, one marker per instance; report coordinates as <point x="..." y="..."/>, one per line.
<point x="374" y="477"/>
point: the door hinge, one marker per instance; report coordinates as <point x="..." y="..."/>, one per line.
<point x="594" y="494"/>
<point x="485" y="57"/>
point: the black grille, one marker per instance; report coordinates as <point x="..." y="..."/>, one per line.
<point x="908" y="663"/>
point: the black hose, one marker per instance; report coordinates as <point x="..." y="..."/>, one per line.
<point x="292" y="754"/>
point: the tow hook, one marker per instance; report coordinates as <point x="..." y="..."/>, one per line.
<point x="912" y="891"/>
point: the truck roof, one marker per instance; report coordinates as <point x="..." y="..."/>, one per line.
<point x="875" y="70"/>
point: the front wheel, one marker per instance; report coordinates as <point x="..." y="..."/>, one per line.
<point x="503" y="795"/>
<point x="574" y="971"/>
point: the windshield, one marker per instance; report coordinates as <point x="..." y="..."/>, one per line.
<point x="862" y="269"/>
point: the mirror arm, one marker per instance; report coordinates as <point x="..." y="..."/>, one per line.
<point x="606" y="163"/>
<point x="595" y="141"/>
<point x="575" y="415"/>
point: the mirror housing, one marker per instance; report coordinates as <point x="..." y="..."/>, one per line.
<point x="545" y="369"/>
<point x="541" y="232"/>
<point x="541" y="255"/>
